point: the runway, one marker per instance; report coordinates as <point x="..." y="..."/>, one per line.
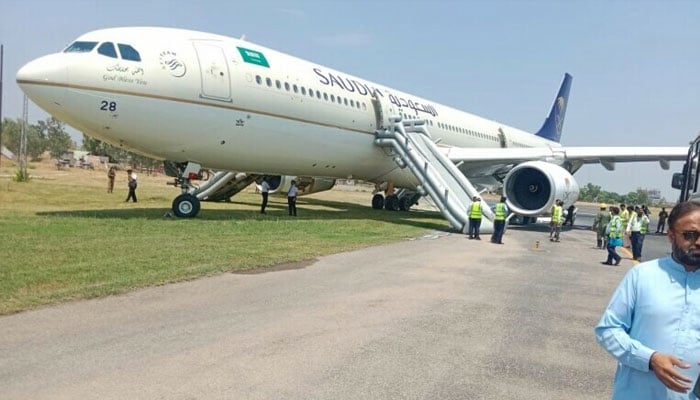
<point x="438" y="317"/>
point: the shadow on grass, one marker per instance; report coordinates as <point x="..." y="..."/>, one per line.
<point x="316" y="210"/>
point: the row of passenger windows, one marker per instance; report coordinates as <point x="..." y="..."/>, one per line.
<point x="126" y="51"/>
<point x="310" y="92"/>
<point x="359" y="105"/>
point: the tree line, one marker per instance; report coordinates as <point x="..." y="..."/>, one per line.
<point x="50" y="135"/>
<point x="594" y="193"/>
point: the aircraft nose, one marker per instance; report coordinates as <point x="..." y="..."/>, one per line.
<point x="43" y="80"/>
<point x="47" y="70"/>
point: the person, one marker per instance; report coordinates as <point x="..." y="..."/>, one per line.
<point x="292" y="198"/>
<point x="624" y="219"/>
<point x="132" y="185"/>
<point x="613" y="231"/>
<point x="264" y="188"/>
<point x="111" y="174"/>
<point x="600" y="222"/>
<point x="474" y="214"/>
<point x="637" y="229"/>
<point x="500" y="211"/>
<point x="570" y="215"/>
<point x="555" y="222"/>
<point x="662" y="220"/>
<point x="651" y="322"/>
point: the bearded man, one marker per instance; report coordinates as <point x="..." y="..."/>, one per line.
<point x="652" y="323"/>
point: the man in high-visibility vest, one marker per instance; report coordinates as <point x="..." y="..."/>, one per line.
<point x="557" y="219"/>
<point x="500" y="212"/>
<point x="637" y="228"/>
<point x="624" y="220"/>
<point x="614" y="231"/>
<point x="474" y="214"/>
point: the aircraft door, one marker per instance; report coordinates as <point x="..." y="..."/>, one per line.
<point x="216" y="81"/>
<point x="383" y="109"/>
<point x="502" y="138"/>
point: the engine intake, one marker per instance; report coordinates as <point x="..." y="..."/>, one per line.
<point x="532" y="187"/>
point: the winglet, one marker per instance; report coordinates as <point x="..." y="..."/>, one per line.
<point x="551" y="129"/>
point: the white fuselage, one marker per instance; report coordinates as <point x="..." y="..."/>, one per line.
<point x="233" y="105"/>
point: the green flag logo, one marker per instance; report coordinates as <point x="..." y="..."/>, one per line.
<point x="253" y="57"/>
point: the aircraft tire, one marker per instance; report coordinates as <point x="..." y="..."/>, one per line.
<point x="186" y="206"/>
<point x="377" y="202"/>
<point x="391" y="203"/>
<point x="405" y="203"/>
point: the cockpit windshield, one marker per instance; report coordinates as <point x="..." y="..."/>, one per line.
<point x="126" y="51"/>
<point x="80" y="47"/>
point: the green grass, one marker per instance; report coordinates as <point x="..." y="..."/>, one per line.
<point x="63" y="238"/>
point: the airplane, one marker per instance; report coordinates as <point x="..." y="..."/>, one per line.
<point x="201" y="101"/>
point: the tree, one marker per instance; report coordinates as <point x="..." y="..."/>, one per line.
<point x="57" y="139"/>
<point x="12" y="133"/>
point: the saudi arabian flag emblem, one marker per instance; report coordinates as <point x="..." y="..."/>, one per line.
<point x="253" y="57"/>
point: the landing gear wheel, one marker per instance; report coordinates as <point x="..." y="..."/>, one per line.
<point x="405" y="203"/>
<point x="377" y="202"/>
<point x="391" y="203"/>
<point x="186" y="206"/>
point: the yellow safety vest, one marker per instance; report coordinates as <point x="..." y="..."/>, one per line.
<point x="500" y="212"/>
<point x="475" y="210"/>
<point x="556" y="214"/>
<point x="613" y="227"/>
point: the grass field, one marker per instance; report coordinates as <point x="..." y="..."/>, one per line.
<point x="63" y="237"/>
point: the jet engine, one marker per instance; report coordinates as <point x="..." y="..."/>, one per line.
<point x="532" y="187"/>
<point x="280" y="184"/>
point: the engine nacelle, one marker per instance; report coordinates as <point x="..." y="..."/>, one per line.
<point x="280" y="184"/>
<point x="532" y="187"/>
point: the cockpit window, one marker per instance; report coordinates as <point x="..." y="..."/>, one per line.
<point x="128" y="52"/>
<point x="107" y="49"/>
<point x="80" y="47"/>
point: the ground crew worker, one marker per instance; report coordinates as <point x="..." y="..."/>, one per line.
<point x="624" y="219"/>
<point x="614" y="232"/>
<point x="662" y="220"/>
<point x="557" y="219"/>
<point x="474" y="214"/>
<point x="500" y="211"/>
<point x="600" y="222"/>
<point x="637" y="229"/>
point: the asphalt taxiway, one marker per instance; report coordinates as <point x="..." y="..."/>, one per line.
<point x="439" y="317"/>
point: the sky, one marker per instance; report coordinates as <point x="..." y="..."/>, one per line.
<point x="635" y="63"/>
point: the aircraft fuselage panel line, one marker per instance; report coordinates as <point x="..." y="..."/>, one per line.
<point x="449" y="189"/>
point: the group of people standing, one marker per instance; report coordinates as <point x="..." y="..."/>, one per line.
<point x="500" y="212"/>
<point x="623" y="226"/>
<point x="264" y="188"/>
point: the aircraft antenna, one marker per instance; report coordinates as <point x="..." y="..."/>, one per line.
<point x="243" y="36"/>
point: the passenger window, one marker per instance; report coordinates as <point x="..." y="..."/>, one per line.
<point x="303" y="91"/>
<point x="278" y="84"/>
<point x="286" y="86"/>
<point x="80" y="47"/>
<point x="107" y="49"/>
<point x="258" y="79"/>
<point x="268" y="81"/>
<point x="128" y="52"/>
<point x="295" y="88"/>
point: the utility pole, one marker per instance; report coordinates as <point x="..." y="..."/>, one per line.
<point x="23" y="140"/>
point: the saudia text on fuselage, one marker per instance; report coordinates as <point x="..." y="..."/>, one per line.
<point x="352" y="86"/>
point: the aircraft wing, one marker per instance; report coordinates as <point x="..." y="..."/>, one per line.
<point x="606" y="156"/>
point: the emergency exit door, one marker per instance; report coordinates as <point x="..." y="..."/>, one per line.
<point x="213" y="68"/>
